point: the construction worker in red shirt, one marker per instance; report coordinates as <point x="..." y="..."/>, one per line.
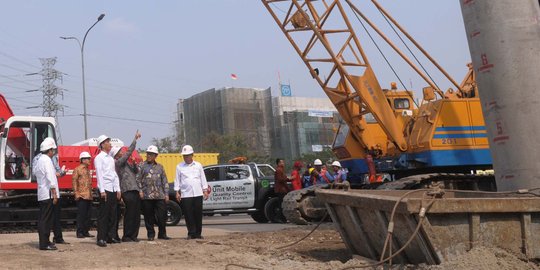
<point x="296" y="176"/>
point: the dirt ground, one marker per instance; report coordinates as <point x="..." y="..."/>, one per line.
<point x="258" y="250"/>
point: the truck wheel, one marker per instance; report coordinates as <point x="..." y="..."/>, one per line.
<point x="259" y="217"/>
<point x="174" y="213"/>
<point x="273" y="211"/>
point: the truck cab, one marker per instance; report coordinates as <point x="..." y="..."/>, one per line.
<point x="236" y="188"/>
<point x="20" y="139"/>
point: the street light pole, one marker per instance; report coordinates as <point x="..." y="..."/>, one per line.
<point x="81" y="45"/>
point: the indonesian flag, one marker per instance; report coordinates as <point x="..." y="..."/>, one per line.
<point x="234" y="77"/>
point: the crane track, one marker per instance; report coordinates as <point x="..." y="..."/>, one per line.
<point x="292" y="204"/>
<point x="443" y="180"/>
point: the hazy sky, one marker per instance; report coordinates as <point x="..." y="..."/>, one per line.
<point x="145" y="55"/>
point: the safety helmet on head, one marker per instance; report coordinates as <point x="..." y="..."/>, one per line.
<point x="115" y="150"/>
<point x="46" y="144"/>
<point x="317" y="162"/>
<point x="102" y="138"/>
<point x="311" y="170"/>
<point x="336" y="163"/>
<point x="187" y="150"/>
<point x="152" y="149"/>
<point x="84" y="155"/>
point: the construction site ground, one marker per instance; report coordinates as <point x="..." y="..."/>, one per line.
<point x="231" y="242"/>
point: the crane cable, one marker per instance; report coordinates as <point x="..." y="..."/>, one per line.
<point x="408" y="48"/>
<point x="384" y="56"/>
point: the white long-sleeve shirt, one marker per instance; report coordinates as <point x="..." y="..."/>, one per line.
<point x="190" y="179"/>
<point x="46" y="178"/>
<point x="107" y="179"/>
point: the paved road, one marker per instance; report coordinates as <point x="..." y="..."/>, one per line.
<point x="219" y="225"/>
<point x="215" y="225"/>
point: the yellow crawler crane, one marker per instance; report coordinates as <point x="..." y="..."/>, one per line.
<point x="432" y="143"/>
<point x="386" y="137"/>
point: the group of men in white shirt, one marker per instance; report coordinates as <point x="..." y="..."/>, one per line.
<point x="190" y="186"/>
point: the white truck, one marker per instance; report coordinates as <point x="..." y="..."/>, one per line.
<point x="236" y="188"/>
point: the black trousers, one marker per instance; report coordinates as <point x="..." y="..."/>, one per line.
<point x="132" y="215"/>
<point x="192" y="209"/>
<point x="155" y="212"/>
<point x="45" y="222"/>
<point x="57" y="225"/>
<point x="83" y="216"/>
<point x="107" y="217"/>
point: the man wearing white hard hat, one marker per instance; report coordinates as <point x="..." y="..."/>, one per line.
<point x="82" y="187"/>
<point x="338" y="172"/>
<point x="47" y="193"/>
<point x="127" y="173"/>
<point x="154" y="194"/>
<point x="324" y="176"/>
<point x="57" y="211"/>
<point x="191" y="188"/>
<point x="109" y="190"/>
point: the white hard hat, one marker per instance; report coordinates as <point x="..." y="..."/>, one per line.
<point x="336" y="163"/>
<point x="115" y="150"/>
<point x="187" y="150"/>
<point x="102" y="138"/>
<point x="48" y="143"/>
<point x="84" y="155"/>
<point x="317" y="162"/>
<point x="152" y="149"/>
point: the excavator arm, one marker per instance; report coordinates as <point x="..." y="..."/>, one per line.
<point x="323" y="37"/>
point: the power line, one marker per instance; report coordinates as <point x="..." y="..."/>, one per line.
<point x="17" y="87"/>
<point x="14" y="68"/>
<point x="17" y="80"/>
<point x="25" y="101"/>
<point x="11" y="83"/>
<point x="18" y="60"/>
<point x="129" y="119"/>
<point x="120" y="104"/>
<point x="129" y="89"/>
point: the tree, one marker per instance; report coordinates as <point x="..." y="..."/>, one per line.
<point x="166" y="145"/>
<point x="228" y="146"/>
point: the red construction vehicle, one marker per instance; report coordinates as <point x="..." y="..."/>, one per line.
<point x="20" y="137"/>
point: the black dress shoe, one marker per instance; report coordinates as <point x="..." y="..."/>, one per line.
<point x="126" y="239"/>
<point x="151" y="238"/>
<point x="87" y="235"/>
<point x="198" y="237"/>
<point x="49" y="247"/>
<point x="114" y="241"/>
<point x="189" y="237"/>
<point x="135" y="239"/>
<point x="164" y="237"/>
<point x="101" y="243"/>
<point x="80" y="236"/>
<point x="61" y="241"/>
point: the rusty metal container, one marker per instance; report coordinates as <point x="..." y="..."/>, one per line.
<point x="453" y="224"/>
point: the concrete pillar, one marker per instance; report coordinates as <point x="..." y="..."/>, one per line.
<point x="504" y="41"/>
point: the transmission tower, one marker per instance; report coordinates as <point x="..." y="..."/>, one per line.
<point x="50" y="91"/>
